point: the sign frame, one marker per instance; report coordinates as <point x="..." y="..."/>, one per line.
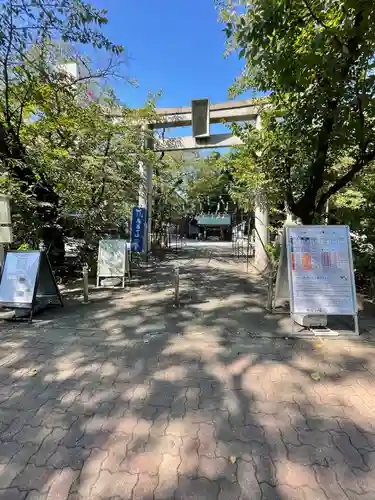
<point x="125" y="270"/>
<point x="282" y="291"/>
<point x="33" y="306"/>
<point x="293" y="312"/>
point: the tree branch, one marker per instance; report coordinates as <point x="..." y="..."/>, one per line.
<point x="319" y="21"/>
<point x="288" y="191"/>
<point x="306" y="203"/>
<point x="345" y="179"/>
<point x="97" y="198"/>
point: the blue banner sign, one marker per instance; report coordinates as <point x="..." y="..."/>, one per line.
<point x="138" y="228"/>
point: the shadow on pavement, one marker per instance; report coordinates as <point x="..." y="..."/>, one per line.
<point x="130" y="398"/>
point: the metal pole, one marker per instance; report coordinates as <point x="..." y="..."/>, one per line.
<point x="248" y="247"/>
<point x="177" y="286"/>
<point x="85" y="273"/>
<point x="2" y="256"/>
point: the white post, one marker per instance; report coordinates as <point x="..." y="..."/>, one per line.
<point x="149" y="206"/>
<point x="261" y="235"/>
<point x="261" y="226"/>
<point x="142" y="199"/>
<point x="6" y="235"/>
<point x="145" y="189"/>
<point x="326" y="218"/>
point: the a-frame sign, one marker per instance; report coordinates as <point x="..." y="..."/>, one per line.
<point x="28" y="283"/>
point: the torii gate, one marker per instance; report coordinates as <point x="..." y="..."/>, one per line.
<point x="200" y="115"/>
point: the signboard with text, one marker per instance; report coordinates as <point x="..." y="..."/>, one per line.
<point x="27" y="281"/>
<point x="214" y="220"/>
<point x="138" y="229"/>
<point x="113" y="260"/>
<point x="320" y="270"/>
<point x="19" y="278"/>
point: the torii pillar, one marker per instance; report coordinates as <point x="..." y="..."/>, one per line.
<point x="261" y="225"/>
<point x="145" y="188"/>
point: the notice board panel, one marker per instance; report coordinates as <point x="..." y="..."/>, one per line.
<point x="27" y="282"/>
<point x="19" y="278"/>
<point x="112" y="258"/>
<point x="320" y="270"/>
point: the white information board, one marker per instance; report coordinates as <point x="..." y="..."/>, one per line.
<point x="19" y="278"/>
<point x="113" y="261"/>
<point x="28" y="283"/>
<point x="320" y="270"/>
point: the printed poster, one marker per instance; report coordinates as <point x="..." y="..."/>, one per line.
<point x="321" y="276"/>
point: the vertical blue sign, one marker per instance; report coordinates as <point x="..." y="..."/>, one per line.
<point x="138" y="228"/>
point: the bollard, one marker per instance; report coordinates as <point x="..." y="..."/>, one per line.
<point x="177" y="286"/>
<point x="85" y="273"/>
<point x="270" y="288"/>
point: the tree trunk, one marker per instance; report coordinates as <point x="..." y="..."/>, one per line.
<point x="306" y="219"/>
<point x="306" y="212"/>
<point x="52" y="237"/>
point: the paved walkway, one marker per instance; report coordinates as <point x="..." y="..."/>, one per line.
<point x="130" y="398"/>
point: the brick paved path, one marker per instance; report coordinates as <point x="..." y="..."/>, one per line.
<point x="130" y="399"/>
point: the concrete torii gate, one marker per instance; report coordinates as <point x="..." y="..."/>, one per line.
<point x="200" y="115"/>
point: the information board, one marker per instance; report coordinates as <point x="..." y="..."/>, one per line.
<point x="138" y="228"/>
<point x="27" y="281"/>
<point x="113" y="261"/>
<point x="19" y="278"/>
<point x="320" y="270"/>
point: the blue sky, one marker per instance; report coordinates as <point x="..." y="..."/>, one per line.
<point x="176" y="46"/>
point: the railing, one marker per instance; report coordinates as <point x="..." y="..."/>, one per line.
<point x="241" y="247"/>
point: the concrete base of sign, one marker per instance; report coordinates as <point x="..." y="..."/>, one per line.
<point x="111" y="282"/>
<point x="20" y="314"/>
<point x="310" y="320"/>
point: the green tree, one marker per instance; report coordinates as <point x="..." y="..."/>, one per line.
<point x="355" y="206"/>
<point x="30" y="76"/>
<point x="90" y="160"/>
<point x="168" y="202"/>
<point x="208" y="183"/>
<point x="315" y="59"/>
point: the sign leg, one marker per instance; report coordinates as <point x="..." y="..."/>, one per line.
<point x="356" y="324"/>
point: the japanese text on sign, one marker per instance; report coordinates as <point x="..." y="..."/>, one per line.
<point x="138" y="227"/>
<point x="321" y="277"/>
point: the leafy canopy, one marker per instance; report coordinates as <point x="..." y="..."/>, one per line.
<point x="61" y="151"/>
<point x="315" y="59"/>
